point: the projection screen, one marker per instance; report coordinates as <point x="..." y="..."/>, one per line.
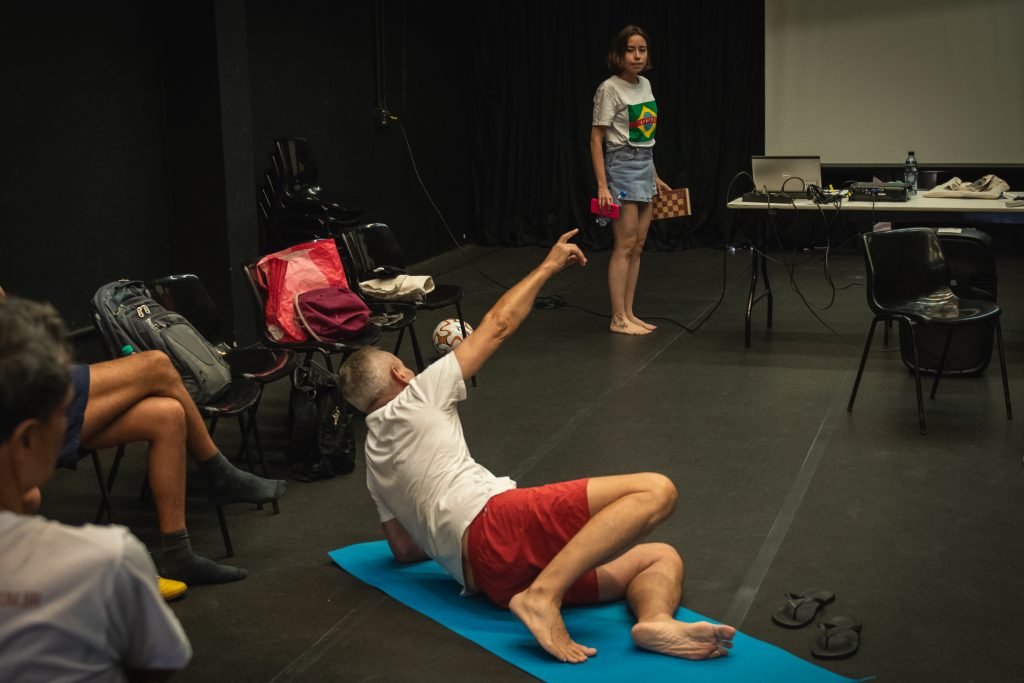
<point x="864" y="82"/>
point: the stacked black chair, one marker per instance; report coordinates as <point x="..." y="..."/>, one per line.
<point x="908" y="281"/>
<point x="292" y="205"/>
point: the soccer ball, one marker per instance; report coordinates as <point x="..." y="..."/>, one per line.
<point x="447" y="335"/>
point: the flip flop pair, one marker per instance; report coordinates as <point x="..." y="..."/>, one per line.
<point x="840" y="636"/>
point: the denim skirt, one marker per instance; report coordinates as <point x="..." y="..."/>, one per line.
<point x="630" y="173"/>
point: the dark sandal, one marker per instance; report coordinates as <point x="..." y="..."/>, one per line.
<point x="840" y="638"/>
<point x="801" y="608"/>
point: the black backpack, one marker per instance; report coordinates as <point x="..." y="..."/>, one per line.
<point x="127" y="315"/>
<point x="321" y="442"/>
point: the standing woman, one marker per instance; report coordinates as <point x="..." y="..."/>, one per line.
<point x="622" y="150"/>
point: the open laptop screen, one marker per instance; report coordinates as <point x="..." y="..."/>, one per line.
<point x="785" y="174"/>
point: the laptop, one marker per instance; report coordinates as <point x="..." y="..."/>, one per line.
<point x="788" y="175"/>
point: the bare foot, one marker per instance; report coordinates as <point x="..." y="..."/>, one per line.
<point x="640" y="323"/>
<point x="544" y="620"/>
<point x="699" y="640"/>
<point x="624" y="326"/>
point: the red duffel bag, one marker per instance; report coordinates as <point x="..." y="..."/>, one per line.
<point x="297" y="269"/>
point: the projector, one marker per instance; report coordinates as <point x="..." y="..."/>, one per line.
<point x="880" y="192"/>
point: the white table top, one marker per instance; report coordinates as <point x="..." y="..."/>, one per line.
<point x="916" y="203"/>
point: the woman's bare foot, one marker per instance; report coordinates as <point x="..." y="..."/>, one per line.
<point x="543" y="618"/>
<point x="622" y="325"/>
<point x="699" y="640"/>
<point x="640" y="323"/>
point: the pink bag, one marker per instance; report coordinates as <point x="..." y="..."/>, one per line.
<point x="291" y="271"/>
<point x="331" y="314"/>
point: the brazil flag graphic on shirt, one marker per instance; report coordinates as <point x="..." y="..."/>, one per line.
<point x="643" y="121"/>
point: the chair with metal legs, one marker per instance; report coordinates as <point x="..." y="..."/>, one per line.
<point x="908" y="282"/>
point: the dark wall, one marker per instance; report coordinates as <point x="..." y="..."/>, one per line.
<point x="314" y="75"/>
<point x="83" y="198"/>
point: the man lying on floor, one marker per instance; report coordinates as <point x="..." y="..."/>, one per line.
<point x="76" y="603"/>
<point x="532" y="549"/>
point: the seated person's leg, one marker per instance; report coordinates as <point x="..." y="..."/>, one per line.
<point x="161" y="422"/>
<point x="117" y="385"/>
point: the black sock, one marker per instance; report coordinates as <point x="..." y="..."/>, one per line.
<point x="178" y="562"/>
<point x="228" y="484"/>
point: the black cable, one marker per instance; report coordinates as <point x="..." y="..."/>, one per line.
<point x="807" y="303"/>
<point x="423" y="186"/>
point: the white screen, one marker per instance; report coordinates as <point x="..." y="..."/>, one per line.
<point x="867" y="81"/>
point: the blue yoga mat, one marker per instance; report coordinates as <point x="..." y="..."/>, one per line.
<point x="428" y="589"/>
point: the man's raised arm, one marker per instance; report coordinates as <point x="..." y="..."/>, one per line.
<point x="514" y="305"/>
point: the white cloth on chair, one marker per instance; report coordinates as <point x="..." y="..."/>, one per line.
<point x="400" y="287"/>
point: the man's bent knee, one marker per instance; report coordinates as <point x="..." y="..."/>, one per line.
<point x="165" y="416"/>
<point x="158" y="370"/>
<point x="663" y="490"/>
<point x="666" y="553"/>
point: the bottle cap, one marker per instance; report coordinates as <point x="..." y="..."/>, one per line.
<point x="127" y="350"/>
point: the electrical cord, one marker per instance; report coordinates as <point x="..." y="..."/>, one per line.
<point x="426" y="192"/>
<point x="794" y="285"/>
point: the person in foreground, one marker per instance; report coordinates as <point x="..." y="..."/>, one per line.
<point x="141" y="398"/>
<point x="76" y="603"/>
<point x="531" y="549"/>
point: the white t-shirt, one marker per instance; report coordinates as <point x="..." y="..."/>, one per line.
<point x="629" y="111"/>
<point x="80" y="604"/>
<point x="418" y="466"/>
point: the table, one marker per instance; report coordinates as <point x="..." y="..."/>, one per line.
<point x="918" y="210"/>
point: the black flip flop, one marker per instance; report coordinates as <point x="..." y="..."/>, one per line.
<point x="840" y="638"/>
<point x="801" y="608"/>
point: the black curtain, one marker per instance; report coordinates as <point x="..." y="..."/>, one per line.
<point x="534" y="67"/>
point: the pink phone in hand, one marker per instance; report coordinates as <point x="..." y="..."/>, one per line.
<point x="609" y="211"/>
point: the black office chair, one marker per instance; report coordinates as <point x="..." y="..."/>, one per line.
<point x="374" y="246"/>
<point x="908" y="281"/>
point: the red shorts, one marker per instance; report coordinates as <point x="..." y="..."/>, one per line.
<point x="518" y="533"/>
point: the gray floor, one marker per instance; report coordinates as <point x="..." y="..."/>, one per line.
<point x="781" y="489"/>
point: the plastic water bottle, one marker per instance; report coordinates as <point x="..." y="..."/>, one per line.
<point x="910" y="172"/>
